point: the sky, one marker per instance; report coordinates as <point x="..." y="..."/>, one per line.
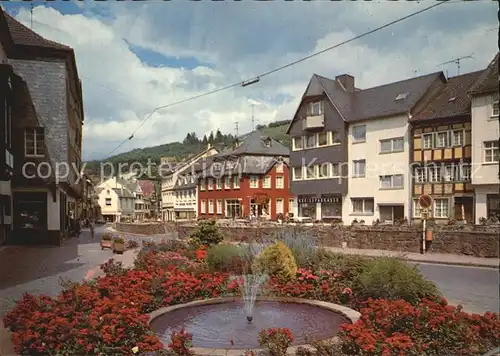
<point x="135" y="56"/>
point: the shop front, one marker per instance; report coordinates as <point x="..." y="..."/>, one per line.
<point x="322" y="208"/>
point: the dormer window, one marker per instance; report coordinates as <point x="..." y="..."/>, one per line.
<point x="316" y="108"/>
<point x="267" y="142"/>
<point x="402" y="96"/>
<point x="452" y="99"/>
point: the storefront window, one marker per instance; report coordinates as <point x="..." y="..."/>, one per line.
<point x="307" y="210"/>
<point x="331" y="210"/>
<point x="31" y="211"/>
<point x="493" y="205"/>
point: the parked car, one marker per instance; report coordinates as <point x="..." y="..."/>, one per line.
<point x="100" y="221"/>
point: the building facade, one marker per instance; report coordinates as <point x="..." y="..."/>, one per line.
<point x="170" y="186"/>
<point x="250" y="181"/>
<point x="47" y="112"/>
<point x="442" y="151"/>
<point x="485" y="143"/>
<point x="116" y="200"/>
<point x="6" y="157"/>
<point x="349" y="157"/>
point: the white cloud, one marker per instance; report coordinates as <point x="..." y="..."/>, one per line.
<point x="237" y="41"/>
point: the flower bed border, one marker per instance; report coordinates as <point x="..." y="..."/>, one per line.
<point x="348" y="313"/>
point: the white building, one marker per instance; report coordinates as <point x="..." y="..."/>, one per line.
<point x="379" y="180"/>
<point x="171" y="209"/>
<point x="116" y="200"/>
<point x="485" y="143"/>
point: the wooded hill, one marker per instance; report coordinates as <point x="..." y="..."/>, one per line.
<point x="179" y="151"/>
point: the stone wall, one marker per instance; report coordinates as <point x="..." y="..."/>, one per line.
<point x="141" y="229"/>
<point x="473" y="240"/>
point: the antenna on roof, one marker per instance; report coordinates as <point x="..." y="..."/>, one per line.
<point x="457" y="61"/>
<point x="253" y="118"/>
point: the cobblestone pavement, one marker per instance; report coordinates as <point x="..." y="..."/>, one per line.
<point x="37" y="270"/>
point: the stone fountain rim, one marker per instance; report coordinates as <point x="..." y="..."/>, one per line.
<point x="348" y="313"/>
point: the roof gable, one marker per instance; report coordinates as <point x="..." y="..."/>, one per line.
<point x="258" y="144"/>
<point x="488" y="80"/>
<point x="451" y="100"/>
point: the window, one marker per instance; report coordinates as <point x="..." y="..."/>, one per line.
<point x="108" y="201"/>
<point x="458" y="138"/>
<point x="34" y="141"/>
<point x="310" y="141"/>
<point x="359" y="168"/>
<point x="297" y="173"/>
<point x="266" y="182"/>
<point x="219" y="206"/>
<point x="218" y="184"/>
<point x="210" y="184"/>
<point x="233" y="208"/>
<point x="323" y="170"/>
<point x="203" y="207"/>
<point x="254" y="182"/>
<point x="323" y="139"/>
<point x="279" y="167"/>
<point x="298" y="143"/>
<point x="310" y="172"/>
<point x="391" y="181"/>
<point x="440" y="208"/>
<point x="465" y="173"/>
<point x="291" y="203"/>
<point x="280" y="182"/>
<point x="8" y="123"/>
<point x="417" y="209"/>
<point x="236" y="182"/>
<point x="495" y="107"/>
<point x="280" y="208"/>
<point x="492" y="205"/>
<point x="442" y="139"/>
<point x="392" y="145"/>
<point x="202" y="184"/>
<point x="335" y="170"/>
<point x="491" y="152"/>
<point x="359" y="133"/>
<point x="433" y="174"/>
<point x="362" y="206"/>
<point x="420" y="175"/>
<point x="227" y="182"/>
<point x="210" y="206"/>
<point x="334" y="137"/>
<point x="316" y="108"/>
<point x="427" y="141"/>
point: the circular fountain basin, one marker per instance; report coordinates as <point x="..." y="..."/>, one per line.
<point x="221" y="324"/>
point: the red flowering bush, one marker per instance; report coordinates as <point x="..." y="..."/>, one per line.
<point x="276" y="341"/>
<point x="181" y="343"/>
<point x="112" y="267"/>
<point x="201" y="253"/>
<point x="430" y="328"/>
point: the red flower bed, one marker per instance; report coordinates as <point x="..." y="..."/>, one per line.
<point x="430" y="328"/>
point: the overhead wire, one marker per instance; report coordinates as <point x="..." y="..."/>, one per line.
<point x="264" y="74"/>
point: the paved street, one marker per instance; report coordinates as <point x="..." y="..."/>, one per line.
<point x="36" y="270"/>
<point x="476" y="288"/>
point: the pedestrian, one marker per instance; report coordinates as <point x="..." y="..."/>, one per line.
<point x="78" y="227"/>
<point x="91" y="227"/>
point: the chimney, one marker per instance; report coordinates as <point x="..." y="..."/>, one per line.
<point x="347" y="81"/>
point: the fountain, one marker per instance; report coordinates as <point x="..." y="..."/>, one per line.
<point x="218" y="324"/>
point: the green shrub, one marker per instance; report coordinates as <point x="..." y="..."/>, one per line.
<point x="303" y="246"/>
<point x="349" y="266"/>
<point x="207" y="233"/>
<point x="392" y="279"/>
<point x="276" y="260"/>
<point x="225" y="258"/>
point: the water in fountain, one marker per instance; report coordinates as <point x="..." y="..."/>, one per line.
<point x="251" y="283"/>
<point x="250" y="287"/>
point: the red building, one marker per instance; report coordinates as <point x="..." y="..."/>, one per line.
<point x="251" y="180"/>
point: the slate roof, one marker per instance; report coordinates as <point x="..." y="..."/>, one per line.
<point x="123" y="193"/>
<point x="377" y="101"/>
<point x="245" y="164"/>
<point x="22" y="35"/>
<point x="488" y="81"/>
<point x="451" y="100"/>
<point x="255" y="144"/>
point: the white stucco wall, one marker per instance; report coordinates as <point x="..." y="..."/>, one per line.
<point x="484" y="175"/>
<point x="377" y="164"/>
<point x="112" y="209"/>
<point x="484" y="128"/>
